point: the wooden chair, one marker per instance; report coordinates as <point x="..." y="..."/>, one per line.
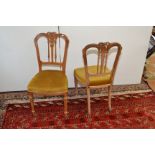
<point x="49" y="81"/>
<point x="101" y="73"/>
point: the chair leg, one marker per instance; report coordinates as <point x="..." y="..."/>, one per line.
<point x="76" y="85"/>
<point x="109" y="97"/>
<point x="31" y="102"/>
<point x="65" y="104"/>
<point x="88" y="100"/>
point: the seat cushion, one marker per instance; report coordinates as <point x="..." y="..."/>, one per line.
<point x="48" y="81"/>
<point x="79" y="73"/>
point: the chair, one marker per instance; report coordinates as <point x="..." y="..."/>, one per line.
<point x="50" y="81"/>
<point x="101" y="73"/>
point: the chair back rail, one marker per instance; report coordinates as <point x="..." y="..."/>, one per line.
<point x="53" y="39"/>
<point x="103" y="50"/>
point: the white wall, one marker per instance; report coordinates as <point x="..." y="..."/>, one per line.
<point x="18" y="61"/>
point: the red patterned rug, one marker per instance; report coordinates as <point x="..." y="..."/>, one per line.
<point x="130" y="111"/>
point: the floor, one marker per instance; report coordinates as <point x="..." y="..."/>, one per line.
<point x="21" y="96"/>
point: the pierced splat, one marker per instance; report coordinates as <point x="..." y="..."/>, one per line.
<point x="102" y="58"/>
<point x="52" y="47"/>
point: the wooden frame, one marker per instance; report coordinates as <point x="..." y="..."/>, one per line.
<point x="52" y="39"/>
<point x="103" y="50"/>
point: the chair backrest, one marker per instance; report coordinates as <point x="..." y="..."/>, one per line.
<point x="102" y="50"/>
<point x="53" y="51"/>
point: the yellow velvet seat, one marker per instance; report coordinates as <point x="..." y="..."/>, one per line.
<point x="48" y="81"/>
<point x="79" y="73"/>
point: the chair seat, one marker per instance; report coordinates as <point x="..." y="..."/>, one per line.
<point x="94" y="80"/>
<point x="48" y="81"/>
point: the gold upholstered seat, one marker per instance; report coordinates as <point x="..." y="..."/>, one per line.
<point x="42" y="82"/>
<point x="94" y="80"/>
